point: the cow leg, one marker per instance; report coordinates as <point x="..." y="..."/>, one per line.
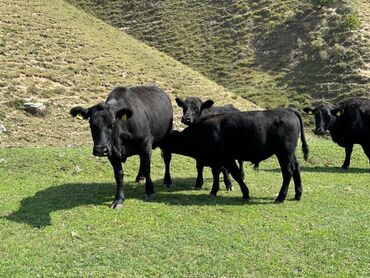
<point x="347" y="160"/>
<point x="146" y="158"/>
<point x="235" y="172"/>
<point x="140" y="176"/>
<point x="118" y="175"/>
<point x="297" y="179"/>
<point x="227" y="181"/>
<point x="286" y="166"/>
<point x="167" y="176"/>
<point x="241" y="167"/>
<point x="199" y="182"/>
<point x="216" y="180"/>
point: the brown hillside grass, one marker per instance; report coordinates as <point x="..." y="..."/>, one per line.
<point x="54" y="53"/>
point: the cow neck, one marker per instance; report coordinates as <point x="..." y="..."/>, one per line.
<point x="116" y="143"/>
<point x="179" y="143"/>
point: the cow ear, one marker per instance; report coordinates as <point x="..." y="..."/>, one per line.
<point x="207" y="104"/>
<point x="179" y="102"/>
<point x="80" y="113"/>
<point x="308" y="110"/>
<point x="124" y="114"/>
<point x="337" y="112"/>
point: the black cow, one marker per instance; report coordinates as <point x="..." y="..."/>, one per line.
<point x="348" y="122"/>
<point x="219" y="140"/>
<point x="193" y="110"/>
<point x="133" y="120"/>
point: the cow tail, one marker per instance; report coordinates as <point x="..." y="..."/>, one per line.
<point x="305" y="149"/>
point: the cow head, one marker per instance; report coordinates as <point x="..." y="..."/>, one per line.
<point x="192" y="108"/>
<point x="324" y="116"/>
<point x="104" y="121"/>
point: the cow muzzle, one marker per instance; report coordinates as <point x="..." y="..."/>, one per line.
<point x="101" y="151"/>
<point x="186" y="120"/>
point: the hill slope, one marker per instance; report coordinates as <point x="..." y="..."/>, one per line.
<point x="271" y="51"/>
<point x="52" y="52"/>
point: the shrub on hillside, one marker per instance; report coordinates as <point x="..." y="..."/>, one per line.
<point x="351" y="21"/>
<point x="321" y="3"/>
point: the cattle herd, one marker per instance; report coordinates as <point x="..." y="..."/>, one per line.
<point x="135" y="120"/>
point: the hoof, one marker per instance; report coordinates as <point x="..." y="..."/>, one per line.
<point x="246" y="198"/>
<point x="197" y="187"/>
<point x="344" y="167"/>
<point x="279" y="200"/>
<point x="140" y="180"/>
<point x="168" y="185"/>
<point x="116" y="205"/>
<point x="212" y="195"/>
<point x="149" y="196"/>
<point x="229" y="188"/>
<point x="297" y="198"/>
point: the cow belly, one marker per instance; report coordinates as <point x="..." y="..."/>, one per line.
<point x="213" y="153"/>
<point x="245" y="147"/>
<point x="255" y="155"/>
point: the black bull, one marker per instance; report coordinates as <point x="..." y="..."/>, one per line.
<point x="132" y="121"/>
<point x="348" y="122"/>
<point x="219" y="140"/>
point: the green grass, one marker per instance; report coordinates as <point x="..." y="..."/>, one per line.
<point x="55" y="219"/>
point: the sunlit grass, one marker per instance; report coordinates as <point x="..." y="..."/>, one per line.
<point x="56" y="221"/>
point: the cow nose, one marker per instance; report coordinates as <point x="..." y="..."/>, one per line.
<point x="101" y="151"/>
<point x="186" y="120"/>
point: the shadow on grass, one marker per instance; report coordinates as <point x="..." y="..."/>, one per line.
<point x="35" y="210"/>
<point x="204" y="199"/>
<point x="322" y="169"/>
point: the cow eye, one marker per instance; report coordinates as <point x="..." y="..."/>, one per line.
<point x="196" y="109"/>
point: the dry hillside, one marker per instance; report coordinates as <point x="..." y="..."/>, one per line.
<point x="52" y="52"/>
<point x="275" y="52"/>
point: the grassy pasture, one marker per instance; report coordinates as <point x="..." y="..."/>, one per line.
<point x="55" y="220"/>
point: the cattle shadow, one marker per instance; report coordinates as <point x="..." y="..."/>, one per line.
<point x="324" y="169"/>
<point x="36" y="210"/>
<point x="204" y="199"/>
<point x="337" y="170"/>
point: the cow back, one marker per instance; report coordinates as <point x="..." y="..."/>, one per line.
<point x="250" y="136"/>
<point x="152" y="111"/>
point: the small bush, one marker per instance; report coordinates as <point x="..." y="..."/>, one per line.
<point x="351" y="21"/>
<point x="324" y="56"/>
<point x="318" y="43"/>
<point x="321" y="3"/>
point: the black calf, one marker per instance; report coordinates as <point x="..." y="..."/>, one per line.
<point x="217" y="141"/>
